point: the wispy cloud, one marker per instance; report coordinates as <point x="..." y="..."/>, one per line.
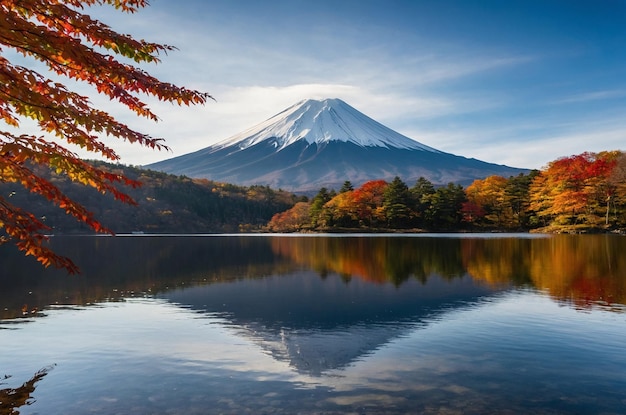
<point x="458" y="65"/>
<point x="593" y="96"/>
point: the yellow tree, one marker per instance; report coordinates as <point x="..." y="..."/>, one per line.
<point x="489" y="195"/>
<point x="75" y="47"/>
<point x="341" y="210"/>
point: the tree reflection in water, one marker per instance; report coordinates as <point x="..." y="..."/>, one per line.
<point x="13" y="398"/>
<point x="582" y="271"/>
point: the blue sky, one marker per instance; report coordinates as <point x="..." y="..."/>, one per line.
<point x="512" y="82"/>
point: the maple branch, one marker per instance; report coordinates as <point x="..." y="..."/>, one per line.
<point x="58" y="34"/>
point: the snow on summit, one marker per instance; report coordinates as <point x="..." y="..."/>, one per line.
<point x="321" y="121"/>
<point x="316" y="144"/>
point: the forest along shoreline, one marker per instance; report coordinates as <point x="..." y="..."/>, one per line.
<point x="585" y="193"/>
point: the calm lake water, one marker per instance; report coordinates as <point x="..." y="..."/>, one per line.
<point x="350" y="324"/>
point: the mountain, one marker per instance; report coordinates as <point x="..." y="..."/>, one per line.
<point x="316" y="144"/>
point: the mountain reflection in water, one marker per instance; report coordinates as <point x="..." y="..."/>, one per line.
<point x="318" y="324"/>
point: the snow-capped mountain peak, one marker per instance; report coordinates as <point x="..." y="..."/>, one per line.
<point x="316" y="144"/>
<point x="322" y="121"/>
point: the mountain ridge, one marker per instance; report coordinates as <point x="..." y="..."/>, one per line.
<point x="315" y="144"/>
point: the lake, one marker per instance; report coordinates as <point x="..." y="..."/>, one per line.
<point x="319" y="324"/>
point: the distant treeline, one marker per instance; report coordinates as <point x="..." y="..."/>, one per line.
<point x="165" y="204"/>
<point x="581" y="193"/>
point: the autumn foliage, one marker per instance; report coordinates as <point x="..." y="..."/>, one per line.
<point x="75" y="48"/>
<point x="580" y="193"/>
<point x="377" y="204"/>
<point x="580" y="190"/>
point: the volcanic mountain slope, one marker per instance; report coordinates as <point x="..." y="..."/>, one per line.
<point x="316" y="144"/>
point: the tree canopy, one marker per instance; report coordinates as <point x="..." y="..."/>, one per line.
<point x="581" y="190"/>
<point x="78" y="49"/>
<point x="579" y="193"/>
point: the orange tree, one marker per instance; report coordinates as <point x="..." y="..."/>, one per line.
<point x="368" y="202"/>
<point x="294" y="219"/>
<point x="77" y="48"/>
<point x="575" y="190"/>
